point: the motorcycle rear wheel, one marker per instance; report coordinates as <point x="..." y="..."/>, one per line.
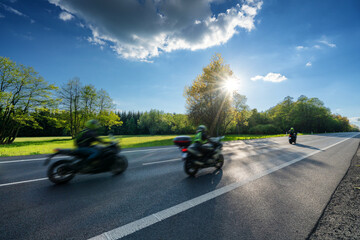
<point x="120" y="165"/>
<point x="220" y="162"/>
<point x="59" y="173"/>
<point x="190" y="168"/>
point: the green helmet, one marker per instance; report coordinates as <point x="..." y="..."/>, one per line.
<point x="201" y="128"/>
<point x="292" y="128"/>
<point x="92" y="124"/>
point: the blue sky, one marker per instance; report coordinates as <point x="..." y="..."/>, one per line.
<point x="144" y="52"/>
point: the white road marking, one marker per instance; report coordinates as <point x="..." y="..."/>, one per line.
<point x="165" y="161"/>
<point x="150" y="150"/>
<point x="137" y="225"/>
<point x="26" y="181"/>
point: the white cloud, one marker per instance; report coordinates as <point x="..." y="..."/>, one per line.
<point x="81" y="25"/>
<point x="308" y="64"/>
<point x="354" y="119"/>
<point x="270" y="77"/>
<point x="12" y="10"/>
<point x="332" y="45"/>
<point x="144" y="29"/>
<point x="300" y="47"/>
<point x="65" y="16"/>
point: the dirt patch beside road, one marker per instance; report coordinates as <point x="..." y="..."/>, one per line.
<point x="341" y="218"/>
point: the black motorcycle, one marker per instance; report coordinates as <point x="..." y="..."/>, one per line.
<point x="63" y="170"/>
<point x="195" y="160"/>
<point x="292" y="138"/>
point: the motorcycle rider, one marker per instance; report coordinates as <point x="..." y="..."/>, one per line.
<point x="292" y="131"/>
<point x="84" y="142"/>
<point x="200" y="139"/>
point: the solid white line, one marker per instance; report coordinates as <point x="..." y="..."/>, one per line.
<point x="26" y="181"/>
<point x="137" y="225"/>
<point x="171" y="160"/>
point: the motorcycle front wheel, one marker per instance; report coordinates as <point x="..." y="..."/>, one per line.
<point x="120" y="165"/>
<point x="59" y="172"/>
<point x="190" y="168"/>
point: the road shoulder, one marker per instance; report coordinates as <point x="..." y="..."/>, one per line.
<point x="341" y="217"/>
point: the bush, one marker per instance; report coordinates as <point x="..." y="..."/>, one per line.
<point x="265" y="129"/>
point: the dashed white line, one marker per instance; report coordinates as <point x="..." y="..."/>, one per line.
<point x="137" y="225"/>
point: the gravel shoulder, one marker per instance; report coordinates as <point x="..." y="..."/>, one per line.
<point x="341" y="217"/>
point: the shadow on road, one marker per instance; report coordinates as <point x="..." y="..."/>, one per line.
<point x="306" y="146"/>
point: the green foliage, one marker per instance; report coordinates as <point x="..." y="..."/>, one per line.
<point x="82" y="103"/>
<point x="208" y="101"/>
<point x="28" y="108"/>
<point x="22" y="91"/>
<point x="265" y="129"/>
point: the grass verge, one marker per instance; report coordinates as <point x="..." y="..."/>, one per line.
<point x="45" y="145"/>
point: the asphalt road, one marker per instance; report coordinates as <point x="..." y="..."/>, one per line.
<point x="267" y="189"/>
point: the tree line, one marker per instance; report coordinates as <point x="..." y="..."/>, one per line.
<point x="213" y="101"/>
<point x="30" y="106"/>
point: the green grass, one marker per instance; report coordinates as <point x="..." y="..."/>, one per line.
<point x="249" y="136"/>
<point x="45" y="145"/>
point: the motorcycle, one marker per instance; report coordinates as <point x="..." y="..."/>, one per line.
<point x="195" y="160"/>
<point x="63" y="170"/>
<point x="292" y="138"/>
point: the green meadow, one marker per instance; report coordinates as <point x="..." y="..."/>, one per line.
<point x="46" y="145"/>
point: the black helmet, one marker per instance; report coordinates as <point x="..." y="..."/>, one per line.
<point x="92" y="124"/>
<point x="201" y="128"/>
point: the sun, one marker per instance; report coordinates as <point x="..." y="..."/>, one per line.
<point x="231" y="84"/>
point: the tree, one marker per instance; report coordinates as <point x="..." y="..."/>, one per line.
<point x="71" y="96"/>
<point x="22" y="91"/>
<point x="153" y="122"/>
<point x="83" y="103"/>
<point x="208" y="101"/>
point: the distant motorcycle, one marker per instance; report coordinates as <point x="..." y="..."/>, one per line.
<point x="292" y="138"/>
<point x="192" y="157"/>
<point x="110" y="160"/>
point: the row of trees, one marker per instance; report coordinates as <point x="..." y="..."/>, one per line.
<point x="29" y="106"/>
<point x="153" y="122"/>
<point x="212" y="100"/>
<point x="82" y="103"/>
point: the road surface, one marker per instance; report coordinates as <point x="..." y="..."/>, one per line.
<point x="267" y="189"/>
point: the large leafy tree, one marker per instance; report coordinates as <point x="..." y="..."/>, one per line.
<point x="82" y="103"/>
<point x="208" y="100"/>
<point x="22" y="91"/>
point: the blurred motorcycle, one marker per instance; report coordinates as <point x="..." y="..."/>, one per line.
<point x="292" y="138"/>
<point x="109" y="160"/>
<point x="195" y="160"/>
